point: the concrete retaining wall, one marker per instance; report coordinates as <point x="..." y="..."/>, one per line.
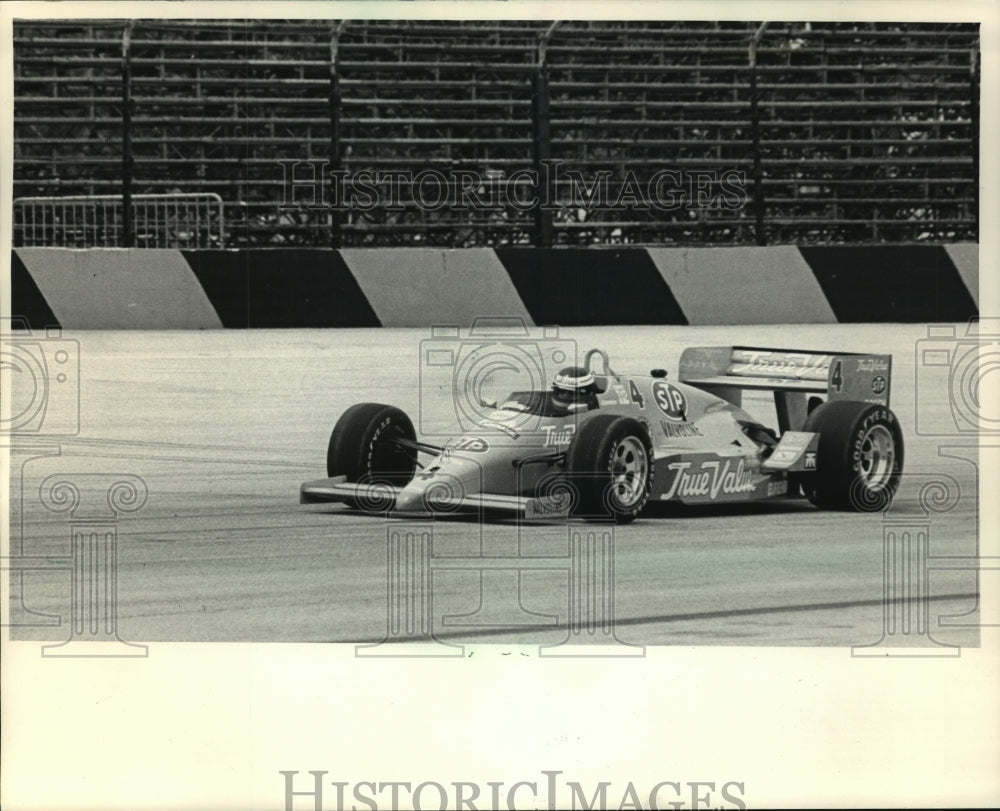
<point x="414" y="287"/>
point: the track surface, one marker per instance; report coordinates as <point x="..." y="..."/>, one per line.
<point x="223" y="427"/>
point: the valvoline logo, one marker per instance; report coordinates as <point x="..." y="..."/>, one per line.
<point x="670" y="400"/>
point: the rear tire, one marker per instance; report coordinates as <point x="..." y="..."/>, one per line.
<point x="859" y="460"/>
<point x="610" y="464"/>
<point x="363" y="448"/>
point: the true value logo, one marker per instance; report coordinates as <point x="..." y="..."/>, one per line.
<point x="710" y="479"/>
<point x="558" y="434"/>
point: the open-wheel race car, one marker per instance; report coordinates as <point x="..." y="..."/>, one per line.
<point x="602" y="445"/>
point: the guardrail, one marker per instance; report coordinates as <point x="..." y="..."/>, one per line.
<point x="194" y="220"/>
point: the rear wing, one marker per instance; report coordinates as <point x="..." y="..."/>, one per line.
<point x="840" y="376"/>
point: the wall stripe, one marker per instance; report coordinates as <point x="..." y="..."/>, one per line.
<point x="282" y="288"/>
<point x="120" y="288"/>
<point x="908" y="283"/>
<point x="417" y="287"/>
<point x="583" y="286"/>
<point x="965" y="257"/>
<point x="410" y="287"/>
<point x="743" y="285"/>
<point x="26" y="300"/>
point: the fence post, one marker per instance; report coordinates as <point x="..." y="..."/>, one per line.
<point x="544" y="186"/>
<point x="974" y="124"/>
<point x="128" y="228"/>
<point x="758" y="171"/>
<point x="336" y="164"/>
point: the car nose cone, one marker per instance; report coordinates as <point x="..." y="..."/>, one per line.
<point x="442" y="486"/>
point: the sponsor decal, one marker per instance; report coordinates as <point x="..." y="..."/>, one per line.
<point x="489" y="425"/>
<point x="672" y="430"/>
<point x="784" y="455"/>
<point x="621" y="394"/>
<point x="669" y="399"/>
<point x="810" y="461"/>
<point x="878" y="384"/>
<point x="710" y="479"/>
<point x="699" y="364"/>
<point x="558" y="434"/>
<point x="431" y="472"/>
<point x="778" y="488"/>
<point x="796" y="440"/>
<point x="873" y="365"/>
<point x="468" y="444"/>
<point x="780" y="364"/>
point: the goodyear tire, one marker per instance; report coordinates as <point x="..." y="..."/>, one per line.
<point x="610" y="464"/>
<point x="859" y="459"/>
<point x="362" y="446"/>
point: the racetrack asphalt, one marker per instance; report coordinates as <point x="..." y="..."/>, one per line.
<point x="223" y="426"/>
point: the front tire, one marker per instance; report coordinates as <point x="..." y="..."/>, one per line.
<point x="610" y="464"/>
<point x="363" y="445"/>
<point x="859" y="460"/>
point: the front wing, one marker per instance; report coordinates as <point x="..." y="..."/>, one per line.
<point x="381" y="499"/>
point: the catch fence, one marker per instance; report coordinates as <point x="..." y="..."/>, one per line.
<point x="696" y="133"/>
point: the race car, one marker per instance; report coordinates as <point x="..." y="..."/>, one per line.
<point x="600" y="445"/>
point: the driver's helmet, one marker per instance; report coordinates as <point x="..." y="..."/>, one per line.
<point x="573" y="384"/>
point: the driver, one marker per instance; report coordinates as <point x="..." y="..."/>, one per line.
<point x="574" y="389"/>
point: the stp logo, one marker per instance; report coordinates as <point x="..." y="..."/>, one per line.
<point x="878" y="384"/>
<point x="469" y="444"/>
<point x="670" y="400"/>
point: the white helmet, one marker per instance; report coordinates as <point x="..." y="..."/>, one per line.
<point x="574" y="380"/>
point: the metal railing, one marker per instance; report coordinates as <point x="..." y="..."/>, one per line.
<point x="194" y="220"/>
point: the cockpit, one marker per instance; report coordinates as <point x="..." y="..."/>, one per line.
<point x="574" y="389"/>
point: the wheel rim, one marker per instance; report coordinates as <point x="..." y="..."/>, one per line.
<point x="878" y="455"/>
<point x="629" y="471"/>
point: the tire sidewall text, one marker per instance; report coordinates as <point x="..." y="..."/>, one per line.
<point x="877" y="416"/>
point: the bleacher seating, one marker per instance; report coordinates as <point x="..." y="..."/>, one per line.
<point x="867" y="131"/>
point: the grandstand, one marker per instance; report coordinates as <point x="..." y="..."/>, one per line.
<point x="842" y="132"/>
